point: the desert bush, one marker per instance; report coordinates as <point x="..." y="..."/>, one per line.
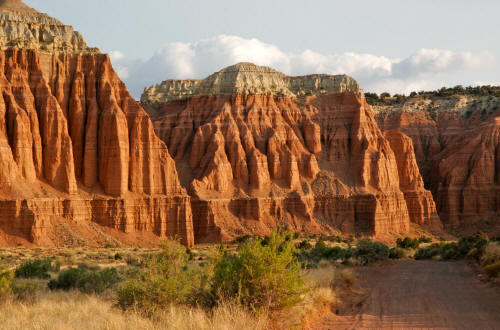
<point x="304" y="245"/>
<point x="466" y="244"/>
<point x="408" y="243"/>
<point x="85" y="280"/>
<point x="260" y="276"/>
<point x="368" y="252"/>
<point x="98" y="281"/>
<point x="493" y="270"/>
<point x="165" y="279"/>
<point x="36" y="269"/>
<point x="322" y="251"/>
<point x="243" y="239"/>
<point x="25" y="289"/>
<point x="425" y="239"/>
<point x="397" y="253"/>
<point x="6" y="278"/>
<point x="334" y="239"/>
<point x="472" y="246"/>
<point x="67" y="279"/>
<point x="428" y="252"/>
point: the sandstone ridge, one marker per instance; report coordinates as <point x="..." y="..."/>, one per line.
<point x="22" y="27"/>
<point x="259" y="150"/>
<point x="80" y="161"/>
<point x="248" y="78"/>
<point x="456" y="139"/>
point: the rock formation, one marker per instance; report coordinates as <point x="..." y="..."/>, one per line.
<point x="80" y="161"/>
<point x="257" y="149"/>
<point x="456" y="141"/>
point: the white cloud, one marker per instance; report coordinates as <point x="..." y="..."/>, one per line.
<point x="424" y="69"/>
<point x="438" y="60"/>
<point x="117" y="58"/>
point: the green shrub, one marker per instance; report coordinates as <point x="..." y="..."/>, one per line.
<point x="6" y="278"/>
<point x="424" y="239"/>
<point x="260" y="276"/>
<point x="471" y="246"/>
<point x="243" y="239"/>
<point x="368" y="252"/>
<point x="98" y="281"/>
<point x="335" y="239"/>
<point x="36" y="269"/>
<point x="118" y="256"/>
<point x="67" y="279"/>
<point x="408" y="243"/>
<point x="304" y="245"/>
<point x="428" y="252"/>
<point x="164" y="279"/>
<point x="85" y="280"/>
<point x="25" y="289"/>
<point x="493" y="270"/>
<point x="322" y="251"/>
<point x="396" y="253"/>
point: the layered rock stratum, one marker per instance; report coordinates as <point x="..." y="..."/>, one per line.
<point x="457" y="147"/>
<point x="80" y="162"/>
<point x="257" y="150"/>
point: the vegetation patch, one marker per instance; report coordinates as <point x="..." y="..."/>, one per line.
<point x="263" y="274"/>
<point x="36" y="269"/>
<point x="408" y="243"/>
<point x="6" y="278"/>
<point x="164" y="279"/>
<point x="85" y="280"/>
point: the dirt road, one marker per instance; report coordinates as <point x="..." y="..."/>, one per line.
<point x="421" y="295"/>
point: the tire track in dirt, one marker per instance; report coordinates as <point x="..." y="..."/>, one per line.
<point x="421" y="295"/>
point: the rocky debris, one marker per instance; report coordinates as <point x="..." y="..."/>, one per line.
<point x="258" y="150"/>
<point x="77" y="148"/>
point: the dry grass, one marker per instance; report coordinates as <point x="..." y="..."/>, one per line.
<point x="74" y="310"/>
<point x="491" y="254"/>
<point x="71" y="310"/>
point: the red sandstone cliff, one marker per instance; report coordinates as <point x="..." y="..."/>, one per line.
<point x="80" y="161"/>
<point x="457" y="152"/>
<point x="257" y="150"/>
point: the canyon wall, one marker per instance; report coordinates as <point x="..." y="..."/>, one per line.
<point x="456" y="141"/>
<point x="258" y="150"/>
<point x="80" y="161"/>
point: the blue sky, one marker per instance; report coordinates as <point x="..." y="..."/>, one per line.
<point x="393" y="45"/>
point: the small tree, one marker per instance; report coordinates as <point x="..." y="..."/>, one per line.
<point x="165" y="279"/>
<point x="260" y="276"/>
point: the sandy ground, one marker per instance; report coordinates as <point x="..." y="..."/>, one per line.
<point x="420" y="295"/>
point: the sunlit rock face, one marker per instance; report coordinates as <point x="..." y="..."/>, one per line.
<point x="257" y="150"/>
<point x="456" y="141"/>
<point x="80" y="161"/>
